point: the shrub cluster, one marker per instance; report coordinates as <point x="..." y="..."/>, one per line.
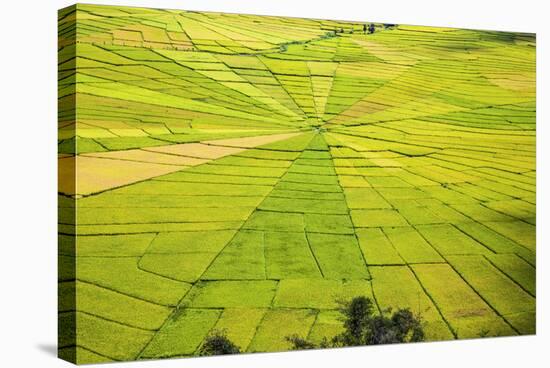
<point x="217" y="343"/>
<point x="363" y="327"/>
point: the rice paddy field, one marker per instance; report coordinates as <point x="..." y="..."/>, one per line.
<point x="243" y="173"/>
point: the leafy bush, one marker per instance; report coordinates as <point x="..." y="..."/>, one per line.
<point x="299" y="343"/>
<point x="371" y="28"/>
<point x="217" y="343"/>
<point x="363" y="327"/>
<point x="328" y="34"/>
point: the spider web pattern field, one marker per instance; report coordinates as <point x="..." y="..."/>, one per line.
<point x="243" y="173"/>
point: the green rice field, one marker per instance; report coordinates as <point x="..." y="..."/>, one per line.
<point x="243" y="173"/>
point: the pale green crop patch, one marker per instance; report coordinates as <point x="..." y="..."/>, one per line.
<point x="279" y="323"/>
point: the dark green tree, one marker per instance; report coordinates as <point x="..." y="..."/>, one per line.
<point x="363" y="327"/>
<point x="357" y="316"/>
<point x="371" y="28"/>
<point x="217" y="343"/>
<point x="299" y="343"/>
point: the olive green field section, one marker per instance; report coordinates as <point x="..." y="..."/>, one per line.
<point x="397" y="287"/>
<point x="247" y="173"/>
<point x="466" y="311"/>
<point x="295" y="235"/>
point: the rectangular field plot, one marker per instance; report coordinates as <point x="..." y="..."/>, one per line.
<point x="220" y="294"/>
<point x="502" y="293"/>
<point x="318" y="294"/>
<point x="397" y="287"/>
<point x="182" y="334"/>
<point x="466" y="312"/>
<point x="412" y="246"/>
<point x="113" y="340"/>
<point x="277" y="324"/>
<point x="377" y="248"/>
<point x="125" y="276"/>
<point x="517" y="269"/>
<point x="243" y="176"/>
<point x="240" y="324"/>
<point x="328" y="324"/>
<point x="288" y="255"/>
<point x="242" y="258"/>
<point x="114" y="306"/>
<point x="449" y="241"/>
<point x="339" y="256"/>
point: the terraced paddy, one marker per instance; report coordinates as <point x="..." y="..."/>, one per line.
<point x="244" y="173"/>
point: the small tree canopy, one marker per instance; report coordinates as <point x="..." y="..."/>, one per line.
<point x="299" y="343"/>
<point x="217" y="343"/>
<point x="363" y="327"/>
<point x="371" y="28"/>
<point x="357" y="314"/>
